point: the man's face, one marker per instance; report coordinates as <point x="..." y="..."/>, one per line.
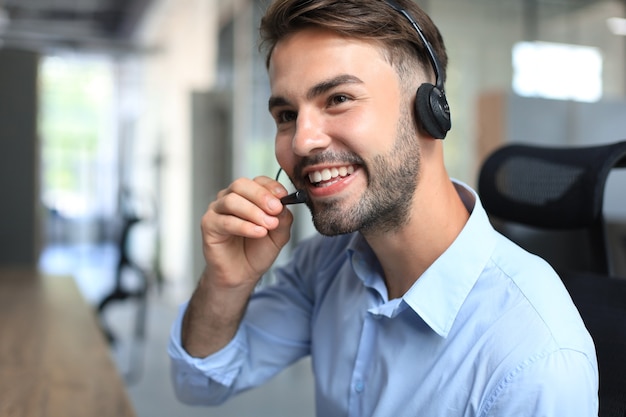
<point x="344" y="131"/>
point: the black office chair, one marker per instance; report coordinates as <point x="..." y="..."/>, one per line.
<point x="550" y="200"/>
<point x="121" y="291"/>
<point x="601" y="301"/>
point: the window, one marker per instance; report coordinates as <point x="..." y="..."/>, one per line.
<point x="78" y="169"/>
<point x="557" y="71"/>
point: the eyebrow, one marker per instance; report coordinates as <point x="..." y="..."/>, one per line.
<point x="317" y="90"/>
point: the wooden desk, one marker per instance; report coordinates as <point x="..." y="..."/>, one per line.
<point x="54" y="361"/>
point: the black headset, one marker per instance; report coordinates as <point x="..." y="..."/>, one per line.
<point x="431" y="105"/>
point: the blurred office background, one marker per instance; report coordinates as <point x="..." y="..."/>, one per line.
<point x="120" y="120"/>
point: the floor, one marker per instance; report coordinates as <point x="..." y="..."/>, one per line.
<point x="145" y="365"/>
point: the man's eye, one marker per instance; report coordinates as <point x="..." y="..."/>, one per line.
<point x="339" y="99"/>
<point x="286" y="116"/>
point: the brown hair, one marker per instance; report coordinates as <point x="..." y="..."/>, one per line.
<point x="373" y="20"/>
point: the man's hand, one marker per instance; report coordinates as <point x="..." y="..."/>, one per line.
<point x="243" y="231"/>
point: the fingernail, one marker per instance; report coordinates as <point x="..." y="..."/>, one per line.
<point x="274" y="204"/>
<point x="270" y="221"/>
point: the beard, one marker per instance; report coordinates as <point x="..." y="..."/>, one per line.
<point x="385" y="206"/>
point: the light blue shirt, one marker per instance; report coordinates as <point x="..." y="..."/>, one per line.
<point x="487" y="330"/>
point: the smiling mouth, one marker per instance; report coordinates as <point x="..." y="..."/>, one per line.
<point x="329" y="176"/>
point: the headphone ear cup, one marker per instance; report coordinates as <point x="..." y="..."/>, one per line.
<point x="432" y="111"/>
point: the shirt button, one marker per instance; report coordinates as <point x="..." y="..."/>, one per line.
<point x="359" y="386"/>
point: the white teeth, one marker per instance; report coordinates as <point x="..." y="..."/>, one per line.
<point x="315" y="177"/>
<point x="329" y="173"/>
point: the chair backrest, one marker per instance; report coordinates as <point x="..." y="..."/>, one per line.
<point x="601" y="301"/>
<point x="550" y="200"/>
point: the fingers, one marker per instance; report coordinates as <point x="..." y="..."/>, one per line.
<point x="248" y="208"/>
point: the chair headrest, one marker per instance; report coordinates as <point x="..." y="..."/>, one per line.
<point x="549" y="187"/>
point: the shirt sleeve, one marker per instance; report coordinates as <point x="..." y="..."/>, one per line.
<point x="204" y="381"/>
<point x="563" y="383"/>
<point x="274" y="333"/>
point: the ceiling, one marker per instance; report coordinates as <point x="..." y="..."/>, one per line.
<point x="108" y="24"/>
<point x="70" y="24"/>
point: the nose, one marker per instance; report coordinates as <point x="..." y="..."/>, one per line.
<point x="309" y="136"/>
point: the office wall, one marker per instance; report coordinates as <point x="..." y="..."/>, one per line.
<point x="19" y="170"/>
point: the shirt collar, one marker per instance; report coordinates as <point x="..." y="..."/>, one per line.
<point x="365" y="265"/>
<point x="439" y="293"/>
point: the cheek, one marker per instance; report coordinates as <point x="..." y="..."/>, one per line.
<point x="283" y="152"/>
<point x="367" y="130"/>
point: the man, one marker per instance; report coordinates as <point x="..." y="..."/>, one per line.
<point x="408" y="301"/>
